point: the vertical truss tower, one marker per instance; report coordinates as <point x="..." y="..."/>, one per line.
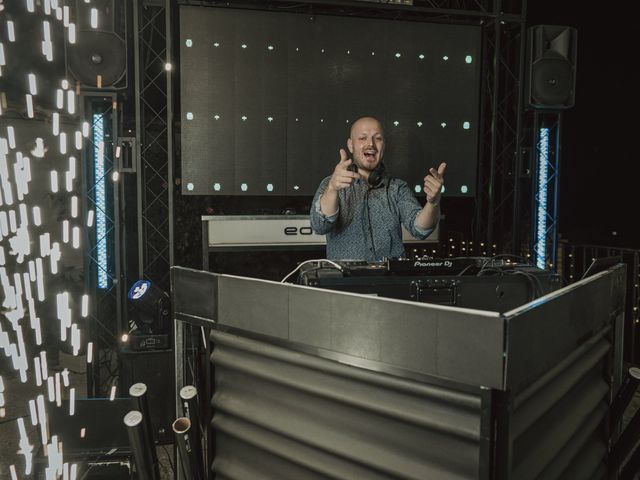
<point x="154" y="111"/>
<point x="499" y="219"/>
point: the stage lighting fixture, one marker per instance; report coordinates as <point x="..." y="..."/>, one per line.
<point x="100" y="200"/>
<point x="150" y="306"/>
<point x="541" y="213"/>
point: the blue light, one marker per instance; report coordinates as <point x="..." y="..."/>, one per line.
<point x="543" y="177"/>
<point x="101" y="200"/>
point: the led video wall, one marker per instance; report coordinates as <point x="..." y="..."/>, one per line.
<point x="267" y="98"/>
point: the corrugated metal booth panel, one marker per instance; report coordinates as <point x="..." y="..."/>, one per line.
<point x="556" y="425"/>
<point x="280" y="414"/>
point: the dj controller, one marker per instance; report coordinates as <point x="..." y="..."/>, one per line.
<point x="485" y="283"/>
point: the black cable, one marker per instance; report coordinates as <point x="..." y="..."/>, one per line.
<point x="493" y="258"/>
<point x="539" y="282"/>
<point x="534" y="290"/>
<point x="464" y="270"/>
<point x="490" y="270"/>
<point x="311" y="270"/>
<point x="9" y="420"/>
<point x="505" y="255"/>
<point x="538" y="287"/>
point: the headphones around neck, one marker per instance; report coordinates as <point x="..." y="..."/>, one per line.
<point x="375" y="177"/>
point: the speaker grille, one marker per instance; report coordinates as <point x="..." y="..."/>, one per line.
<point x="98" y="54"/>
<point x="551" y="67"/>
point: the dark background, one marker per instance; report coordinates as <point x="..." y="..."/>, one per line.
<point x="599" y="164"/>
<point x="318" y="74"/>
<point x="598" y="175"/>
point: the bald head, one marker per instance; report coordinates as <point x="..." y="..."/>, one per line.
<point x="366" y="143"/>
<point x="362" y="121"/>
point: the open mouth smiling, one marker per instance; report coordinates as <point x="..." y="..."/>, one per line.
<point x="370" y="154"/>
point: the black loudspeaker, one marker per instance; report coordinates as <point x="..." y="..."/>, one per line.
<point x="551" y="67"/>
<point x="99" y="56"/>
<point x="155" y="370"/>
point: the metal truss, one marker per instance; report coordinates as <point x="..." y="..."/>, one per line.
<point x="152" y="43"/>
<point x="498" y="220"/>
<point x="154" y="194"/>
<point x="456" y="11"/>
<point x="102" y="255"/>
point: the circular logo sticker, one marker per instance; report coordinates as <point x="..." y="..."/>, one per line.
<point x="139" y="289"/>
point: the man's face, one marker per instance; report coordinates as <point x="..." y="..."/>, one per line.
<point x="366" y="143"/>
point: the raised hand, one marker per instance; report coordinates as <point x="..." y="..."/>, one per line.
<point x="433" y="184"/>
<point x="342" y="177"/>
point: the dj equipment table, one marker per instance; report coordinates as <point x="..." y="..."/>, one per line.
<point x="311" y="383"/>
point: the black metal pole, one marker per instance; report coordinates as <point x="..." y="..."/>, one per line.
<point x="188" y="457"/>
<point x="627" y="441"/>
<point x="139" y="446"/>
<point x="189" y="397"/>
<point x="138" y="392"/>
<point x="632" y="467"/>
<point x="625" y="394"/>
<point x="556" y="187"/>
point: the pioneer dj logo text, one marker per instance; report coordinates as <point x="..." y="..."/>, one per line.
<point x="438" y="263"/>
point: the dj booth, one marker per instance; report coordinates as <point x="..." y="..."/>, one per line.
<point x="311" y="383"/>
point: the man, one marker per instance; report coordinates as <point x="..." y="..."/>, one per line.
<point x="363" y="221"/>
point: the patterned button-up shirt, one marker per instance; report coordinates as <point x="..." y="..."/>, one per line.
<point x="367" y="225"/>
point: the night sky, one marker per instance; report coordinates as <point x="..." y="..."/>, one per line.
<point x="599" y="164"/>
